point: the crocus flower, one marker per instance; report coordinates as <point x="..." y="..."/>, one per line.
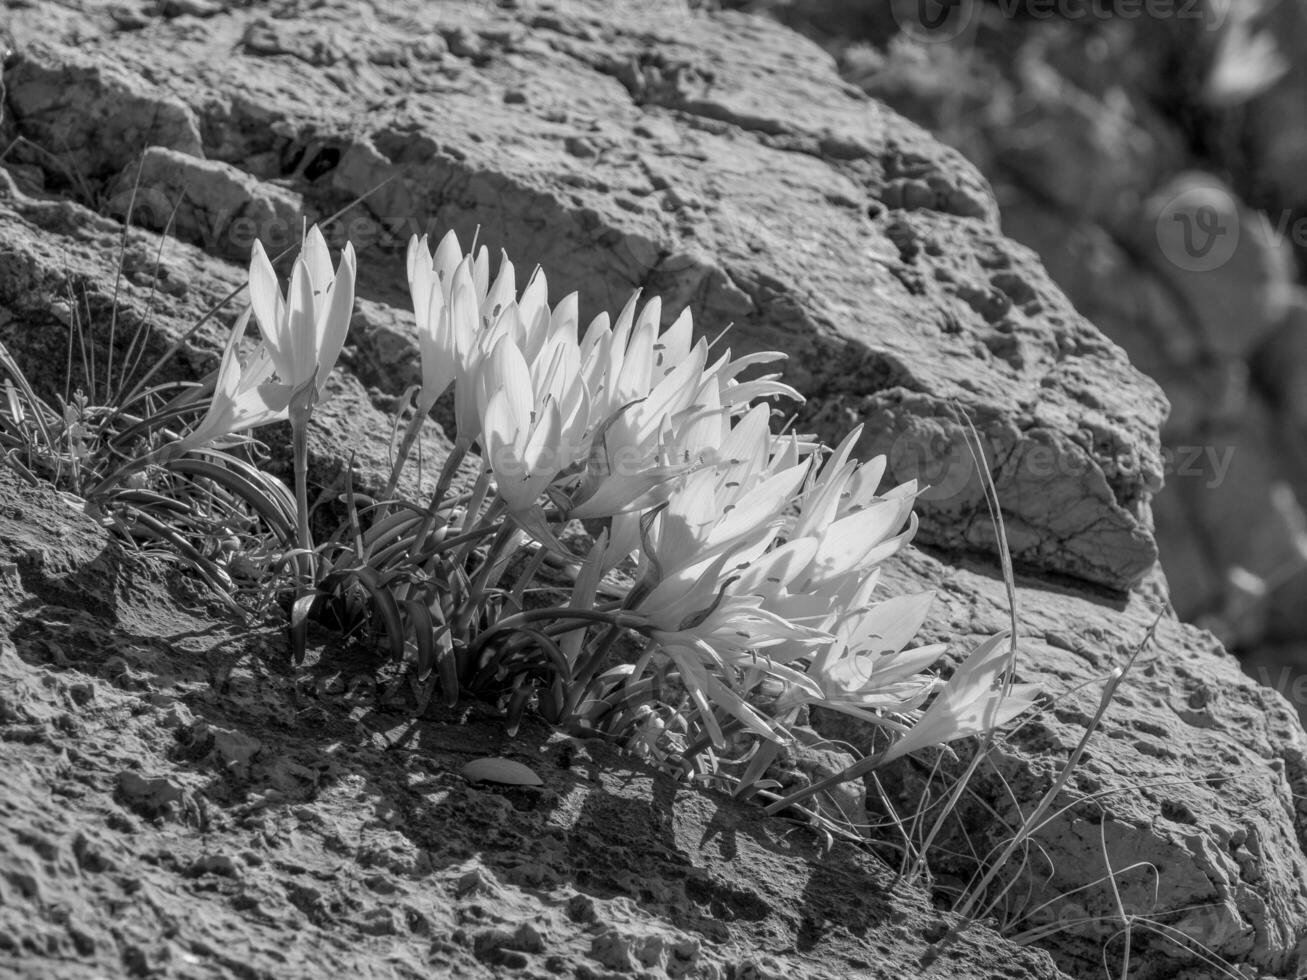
<point x="428" y="278"/>
<point x="239" y="401"/>
<point x="969" y="704"/>
<point x="711" y="635"/>
<point x="520" y="433"/>
<point x="304" y="331"/>
<point x="866" y="670"/>
<point x="302" y="334"/>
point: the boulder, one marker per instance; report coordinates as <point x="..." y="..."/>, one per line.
<point x="662" y="152"/>
<point x="1165" y="203"/>
<point x="718" y="160"/>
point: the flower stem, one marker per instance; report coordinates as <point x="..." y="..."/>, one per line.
<point x="304" y="537"/>
<point x="405" y="447"/>
<point x="476" y="591"/>
<point x="590" y="665"/>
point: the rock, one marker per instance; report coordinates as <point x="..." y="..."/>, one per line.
<point x="152" y="795"/>
<point x="1224" y="259"/>
<point x="1274" y="156"/>
<point x="231" y="749"/>
<point x="817" y="759"/>
<point x="1177" y="777"/>
<point x="92" y="116"/>
<point x="675" y="881"/>
<point x="51" y="247"/>
<point x="729" y="168"/>
<point x="212" y="204"/>
<point x="1234" y="486"/>
<point x="880" y="268"/>
<point x="1165" y="205"/>
<point x="1280" y="366"/>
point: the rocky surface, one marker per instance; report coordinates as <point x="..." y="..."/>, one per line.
<point x="178" y="804"/>
<point x="632" y="153"/>
<point x="1190" y="795"/>
<point x="718" y="160"/>
<point x="1148" y="159"/>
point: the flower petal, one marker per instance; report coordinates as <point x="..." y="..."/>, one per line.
<point x="317" y="259"/>
<point x="269" y="306"/>
<point x="968" y="704"/>
<point x="300" y="328"/>
<point x="334" y="322"/>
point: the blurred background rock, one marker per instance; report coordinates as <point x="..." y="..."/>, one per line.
<point x="1154" y="153"/>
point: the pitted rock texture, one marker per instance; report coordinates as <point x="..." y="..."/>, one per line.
<point x="618" y="149"/>
<point x="1168" y="204"/>
<point x="1191" y="790"/>
<point x="178" y="803"/>
<point x="715" y="159"/>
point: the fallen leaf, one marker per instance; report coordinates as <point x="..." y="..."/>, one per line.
<point x="504" y="771"/>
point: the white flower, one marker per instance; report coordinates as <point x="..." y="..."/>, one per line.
<point x="239" y="398"/>
<point x="969" y="704"/>
<point x="429" y="278"/>
<point x="304" y="331"/>
<point x="520" y="432"/>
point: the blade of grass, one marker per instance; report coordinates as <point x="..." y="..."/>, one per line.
<point x="16" y="374"/>
<point x="965" y="908"/>
<point x="136" y="349"/>
<point x="253" y="493"/>
<point x="977" y="450"/>
<point x="117" y="282"/>
<point x="383" y="602"/>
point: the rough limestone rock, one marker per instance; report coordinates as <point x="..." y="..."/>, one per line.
<point x="1191" y="791"/>
<point x="177" y="803"/>
<point x="1167" y="204"/>
<point x="718" y="160"/>
<point x="715" y="160"/>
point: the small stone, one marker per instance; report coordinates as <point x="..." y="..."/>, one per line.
<point x="528" y="939"/>
<point x="382" y="922"/>
<point x="128" y="18"/>
<point x="581" y="908"/>
<point x="177" y="716"/>
<point x="218" y="864"/>
<point x="917" y="195"/>
<point x="579" y="146"/>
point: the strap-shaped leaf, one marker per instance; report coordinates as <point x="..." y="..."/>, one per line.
<point x="247" y="483"/>
<point x="383" y="602"/>
<point x="424" y="635"/>
<point x="517" y="706"/>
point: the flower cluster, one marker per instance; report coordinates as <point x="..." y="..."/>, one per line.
<point x="750" y="557"/>
<point x="756" y="559"/>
